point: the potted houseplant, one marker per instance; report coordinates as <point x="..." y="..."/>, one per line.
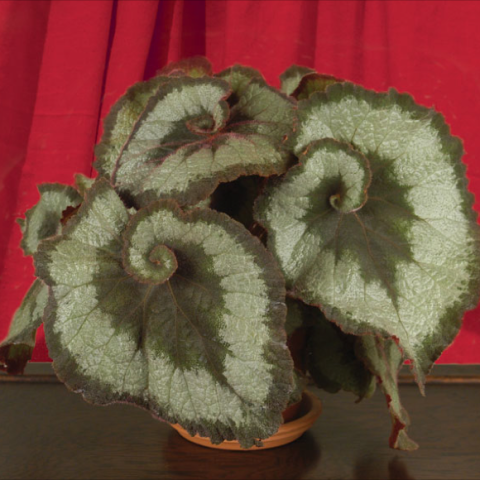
<point x="228" y="215"/>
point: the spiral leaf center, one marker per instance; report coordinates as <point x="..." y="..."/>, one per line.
<point x="336" y="201"/>
<point x="164" y="260"/>
<point x="203" y="125"/>
<point x="343" y="175"/>
<point x="154" y="266"/>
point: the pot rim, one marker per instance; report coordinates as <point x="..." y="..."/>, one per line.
<point x="287" y="433"/>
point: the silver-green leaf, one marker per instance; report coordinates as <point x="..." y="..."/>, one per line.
<point x="397" y="256"/>
<point x="179" y="312"/>
<point x="194" y="133"/>
<point x="83" y="183"/>
<point x="238" y="78"/>
<point x="120" y="121"/>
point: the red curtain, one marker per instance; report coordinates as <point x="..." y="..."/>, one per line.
<point x="63" y="65"/>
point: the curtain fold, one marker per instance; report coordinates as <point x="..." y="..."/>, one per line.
<point x="127" y="52"/>
<point x="64" y="64"/>
<point x="20" y="63"/>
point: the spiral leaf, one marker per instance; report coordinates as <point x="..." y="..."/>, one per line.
<point x="202" y="344"/>
<point x="345" y="174"/>
<point x="405" y="264"/>
<point x="145" y="261"/>
<point x="121" y="119"/>
<point x="184" y="138"/>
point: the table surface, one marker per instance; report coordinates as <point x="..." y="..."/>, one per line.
<point x="47" y="432"/>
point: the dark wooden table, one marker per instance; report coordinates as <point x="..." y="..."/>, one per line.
<point x="47" y="432"/>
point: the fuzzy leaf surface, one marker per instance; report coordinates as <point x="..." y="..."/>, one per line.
<point x="384" y="359"/>
<point x="188" y="139"/>
<point x="120" y="121"/>
<point x="83" y="183"/>
<point x="238" y="78"/>
<point x="205" y="347"/>
<point x="43" y="219"/>
<point x="16" y="350"/>
<point x="405" y="261"/>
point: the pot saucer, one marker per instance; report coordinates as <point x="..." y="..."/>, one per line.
<point x="310" y="409"/>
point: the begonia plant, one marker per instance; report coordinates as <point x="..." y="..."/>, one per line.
<point x="227" y="215"/>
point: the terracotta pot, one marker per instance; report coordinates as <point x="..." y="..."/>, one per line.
<point x="309" y="410"/>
